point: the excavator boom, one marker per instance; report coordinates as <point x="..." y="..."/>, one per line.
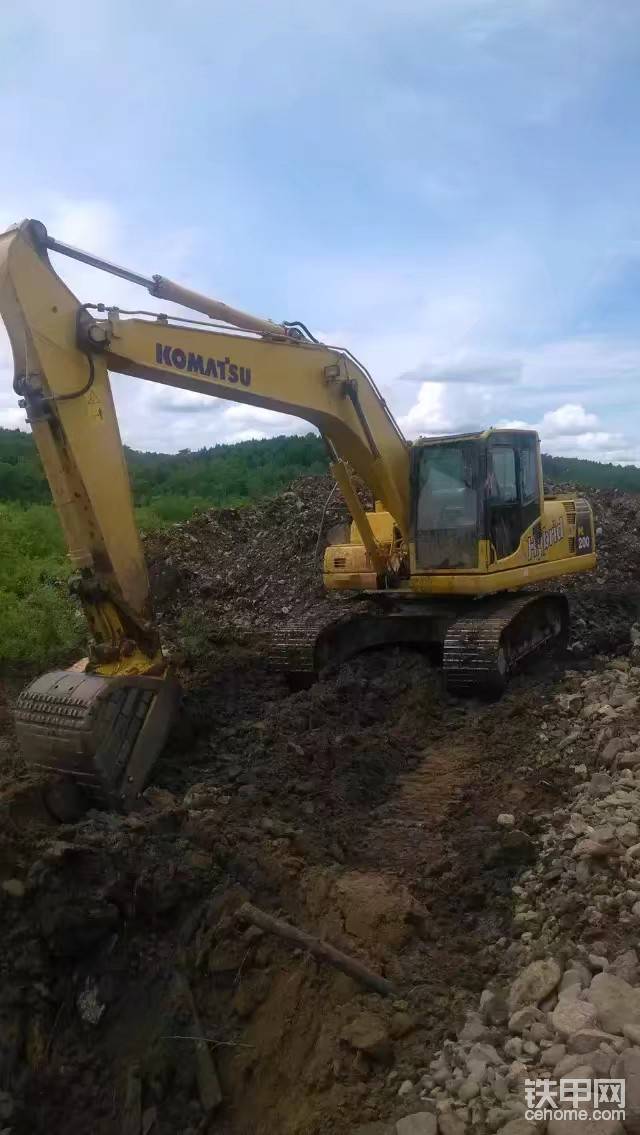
<point x="105" y="721"/>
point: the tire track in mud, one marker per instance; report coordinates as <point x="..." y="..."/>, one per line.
<point x="436" y="834"/>
<point x="474" y="767"/>
<point x="409" y="832"/>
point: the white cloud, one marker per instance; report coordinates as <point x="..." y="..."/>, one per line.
<point x="12" y="419"/>
<point x="455" y="408"/>
<point x="596" y="445"/>
<point x="96" y="226"/>
<point x="255" y="421"/>
<point x="604" y="364"/>
<point x="575" y="392"/>
<point x="467" y="367"/>
<point x="11" y="416"/>
<point x="569" y="431"/>
<point x="566" y="429"/>
<point x="570" y="420"/>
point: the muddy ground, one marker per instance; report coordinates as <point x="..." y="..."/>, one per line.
<point x="362" y="809"/>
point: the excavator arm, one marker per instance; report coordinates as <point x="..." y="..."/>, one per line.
<point x="106" y="721"/>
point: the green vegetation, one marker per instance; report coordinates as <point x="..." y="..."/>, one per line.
<point x="40" y="624"/>
<point x="591" y="474"/>
<point x="173" y="485"/>
<point x="38" y="621"/>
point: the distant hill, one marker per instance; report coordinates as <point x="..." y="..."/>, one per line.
<point x="227" y="475"/>
<point x="591" y="474"/>
<point x="224" y="475"/>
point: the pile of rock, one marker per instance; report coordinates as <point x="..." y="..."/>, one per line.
<point x="573" y="1008"/>
<point x="556" y="1021"/>
<point x="586" y="883"/>
<point x="251" y="567"/>
<point x="603" y="602"/>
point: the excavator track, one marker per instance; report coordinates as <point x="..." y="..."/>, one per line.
<point x="483" y="649"/>
<point x="303" y="650"/>
<point x="295" y="649"/>
<point x="483" y="644"/>
<point x="290" y="650"/>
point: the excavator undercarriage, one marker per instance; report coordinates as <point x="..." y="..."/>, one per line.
<point x="479" y="644"/>
<point x="103" y="734"/>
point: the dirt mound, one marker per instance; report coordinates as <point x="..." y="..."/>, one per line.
<point x="617" y="517"/>
<point x="606" y="602"/>
<point x="364" y="810"/>
<point x="258" y="568"/>
<point x="245" y="568"/>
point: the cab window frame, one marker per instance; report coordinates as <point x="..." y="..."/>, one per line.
<point x="499" y="448"/>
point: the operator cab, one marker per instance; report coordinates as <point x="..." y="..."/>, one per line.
<point x="473" y="487"/>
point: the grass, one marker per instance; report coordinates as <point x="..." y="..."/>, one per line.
<point x="40" y="624"/>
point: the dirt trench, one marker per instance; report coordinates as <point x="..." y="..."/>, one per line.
<point x="363" y="810"/>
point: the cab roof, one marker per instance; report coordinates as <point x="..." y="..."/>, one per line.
<point x="481" y="435"/>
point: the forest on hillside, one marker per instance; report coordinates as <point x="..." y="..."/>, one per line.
<point x="590" y="474"/>
<point x="176" y="483"/>
<point x="229" y="475"/>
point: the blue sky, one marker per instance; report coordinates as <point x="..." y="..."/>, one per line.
<point x="448" y="187"/>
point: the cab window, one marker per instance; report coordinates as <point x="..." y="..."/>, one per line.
<point x="447" y="505"/>
<point x="513" y="492"/>
<point x="503" y="463"/>
<point x="529" y="488"/>
<point x="505" y="514"/>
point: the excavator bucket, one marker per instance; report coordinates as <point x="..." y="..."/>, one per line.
<point x="102" y="735"/>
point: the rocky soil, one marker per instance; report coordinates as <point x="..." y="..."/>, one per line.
<point x="254" y="569"/>
<point x="484" y="859"/>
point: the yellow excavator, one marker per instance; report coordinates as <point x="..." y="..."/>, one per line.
<point x="460" y="526"/>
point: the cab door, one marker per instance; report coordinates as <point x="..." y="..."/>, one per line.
<point x="447" y="508"/>
<point x="512" y="491"/>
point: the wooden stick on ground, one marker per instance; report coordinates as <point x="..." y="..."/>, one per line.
<point x="208" y="1083"/>
<point x="132" y="1110"/>
<point x="323" y="950"/>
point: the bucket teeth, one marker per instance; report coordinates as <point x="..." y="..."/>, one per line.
<point x="103" y="733"/>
